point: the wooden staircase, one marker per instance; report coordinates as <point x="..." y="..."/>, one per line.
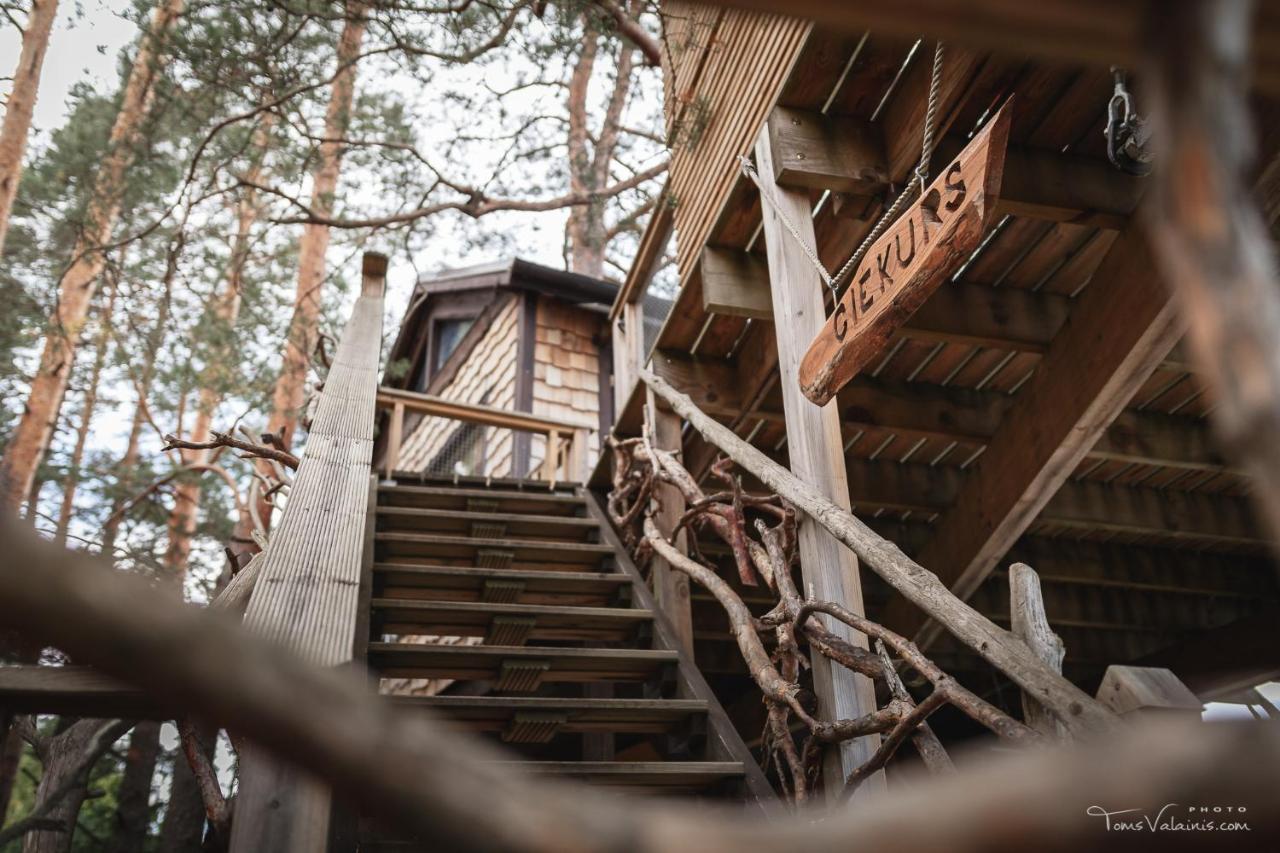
<point x="563" y="657"/>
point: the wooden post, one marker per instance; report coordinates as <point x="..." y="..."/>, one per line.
<point x="579" y="450"/>
<point x="829" y="570"/>
<point x="551" y="461"/>
<point x="1031" y="625"/>
<point x="670" y="587"/>
<point x="628" y="346"/>
<point x="395" y="436"/>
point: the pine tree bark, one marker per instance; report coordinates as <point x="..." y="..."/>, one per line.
<point x="21" y="105"/>
<point x="129" y="461"/>
<point x="183" y="828"/>
<point x="68" y="757"/>
<point x="133" y="798"/>
<point x="30" y="440"/>
<point x="286" y="402"/>
<point x="587" y="233"/>
<point x="86" y="416"/>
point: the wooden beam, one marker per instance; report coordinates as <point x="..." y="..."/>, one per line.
<point x="1060" y="187"/>
<point x="814" y="151"/>
<point x="924" y="410"/>
<point x="1146" y="692"/>
<point x="1097" y="32"/>
<point x="735" y="283"/>
<point x="1082" y="505"/>
<point x="829" y="570"/>
<point x="1220" y="660"/>
<point x="1119" y="331"/>
<point x="77" y="691"/>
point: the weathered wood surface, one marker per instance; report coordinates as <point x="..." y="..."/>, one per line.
<point x="1120" y="329"/>
<point x="670" y="588"/>
<point x="1098" y="32"/>
<point x="940" y="230"/>
<point x="1147" y="690"/>
<point x="1079" y="712"/>
<point x="306" y="595"/>
<point x="735" y="283"/>
<point x="1030" y="624"/>
<point x="814" y="151"/>
<point x="815" y="452"/>
<point x="946" y="413"/>
<point x="76" y="691"/>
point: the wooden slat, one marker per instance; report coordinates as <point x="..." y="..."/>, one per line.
<point x="307" y="592"/>
<point x="451" y="583"/>
<point x="1119" y="331"/>
<point x="518" y="525"/>
<point x="409" y="660"/>
<point x="919" y="409"/>
<point x="444" y="497"/>
<point x="1098" y="32"/>
<point x="491" y="713"/>
<point x="467" y="619"/>
<point x="403" y="544"/>
<point x="76" y="691"/>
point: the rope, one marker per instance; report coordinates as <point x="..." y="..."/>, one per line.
<point x="921" y="172"/>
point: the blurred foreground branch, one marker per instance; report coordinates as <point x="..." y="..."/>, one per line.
<point x="424" y="777"/>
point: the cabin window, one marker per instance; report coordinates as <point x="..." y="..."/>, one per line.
<point x="446" y="335"/>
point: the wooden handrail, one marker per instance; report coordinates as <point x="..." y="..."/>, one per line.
<point x="573" y="437"/>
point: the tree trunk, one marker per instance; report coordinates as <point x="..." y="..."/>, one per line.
<point x="21" y="104"/>
<point x="286" y="401"/>
<point x="586" y="231"/>
<point x="30" y="440"/>
<point x="10" y="756"/>
<point x="133" y="798"/>
<point x="184" y="819"/>
<point x="226" y="310"/>
<point x="129" y="461"/>
<point x="86" y="417"/>
<point x="63" y="760"/>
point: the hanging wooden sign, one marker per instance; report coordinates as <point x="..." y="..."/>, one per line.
<point x="908" y="262"/>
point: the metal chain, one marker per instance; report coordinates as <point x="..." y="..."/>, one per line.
<point x="921" y="172"/>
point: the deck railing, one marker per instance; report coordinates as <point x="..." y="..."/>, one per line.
<point x="567" y="448"/>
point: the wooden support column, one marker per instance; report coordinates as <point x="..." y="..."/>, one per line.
<point x="1118" y="332"/>
<point x="628" y="346"/>
<point x="670" y="588"/>
<point x="828" y="568"/>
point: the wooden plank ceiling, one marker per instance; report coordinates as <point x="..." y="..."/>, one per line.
<point x="1133" y="545"/>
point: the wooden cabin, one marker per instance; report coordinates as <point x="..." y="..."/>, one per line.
<point x="513" y="336"/>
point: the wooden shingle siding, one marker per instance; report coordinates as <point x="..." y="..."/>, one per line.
<point x="489" y="369"/>
<point x="566" y="367"/>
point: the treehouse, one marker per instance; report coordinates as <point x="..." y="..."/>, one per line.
<point x="918" y="438"/>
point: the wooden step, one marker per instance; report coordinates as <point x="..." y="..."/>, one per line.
<point x="495" y="713"/>
<point x="499" y="500"/>
<point x="652" y="776"/>
<point x="499" y="553"/>
<point x="564" y="528"/>
<point x="481" y="619"/>
<point x="467" y="583"/>
<point x="517" y="669"/>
